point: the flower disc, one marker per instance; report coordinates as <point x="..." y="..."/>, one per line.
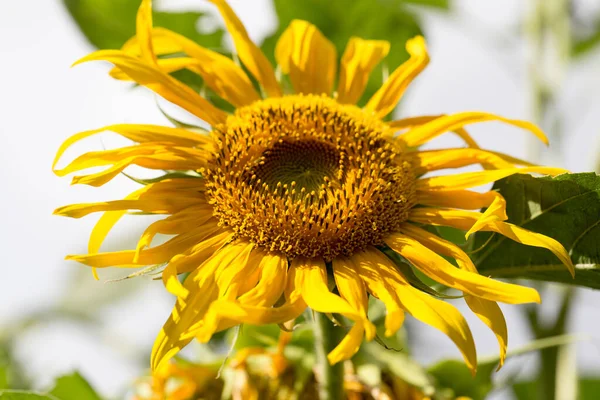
<point x="308" y="176"/>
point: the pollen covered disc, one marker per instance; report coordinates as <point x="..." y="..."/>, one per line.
<point x="308" y="176"/>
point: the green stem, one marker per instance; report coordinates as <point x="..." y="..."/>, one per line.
<point x="330" y="377"/>
<point x="547" y="378"/>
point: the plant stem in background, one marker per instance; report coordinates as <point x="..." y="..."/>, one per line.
<point x="548" y="378"/>
<point x="330" y="377"/>
<point x="549" y="33"/>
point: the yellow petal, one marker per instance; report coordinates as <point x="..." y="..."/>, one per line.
<point x="445" y="123"/>
<point x="416" y="121"/>
<point x="348" y="346"/>
<point x="179" y="222"/>
<point x="220" y="73"/>
<point x="473" y="179"/>
<point x="359" y="59"/>
<point x="426" y="161"/>
<point x="352" y="289"/>
<point x="442" y="316"/>
<point x="142" y="134"/>
<point x="376" y="273"/>
<point x="466" y="219"/>
<point x="154" y="255"/>
<point x="309" y="58"/>
<point x="167" y="65"/>
<point x="465" y="199"/>
<point x="311" y="275"/>
<point x="490" y="314"/>
<point x="387" y="97"/>
<point x="249" y="53"/>
<point x="437" y="268"/>
<point x="273" y="278"/>
<point x="200" y="252"/>
<point x="161" y="83"/>
<point x="495" y="203"/>
<point x="194" y="257"/>
<point x="439" y="245"/>
<point x="487" y="311"/>
<point x="171" y="339"/>
<point x="144" y="31"/>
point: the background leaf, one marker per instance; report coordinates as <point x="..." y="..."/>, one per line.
<point x="73" y="387"/>
<point x="108" y="24"/>
<point x="566" y="208"/>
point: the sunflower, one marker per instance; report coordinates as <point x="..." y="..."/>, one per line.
<point x="299" y="198"/>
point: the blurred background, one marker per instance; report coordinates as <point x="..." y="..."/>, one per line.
<point x="533" y="59"/>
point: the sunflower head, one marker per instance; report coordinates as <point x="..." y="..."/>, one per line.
<point x="307" y="176"/>
<point x="297" y="184"/>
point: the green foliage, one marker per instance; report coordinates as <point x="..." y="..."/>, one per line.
<point x="4" y="376"/>
<point x="584" y="44"/>
<point x="108" y="24"/>
<point x="73" y="387"/>
<point x="68" y="387"/>
<point x="456" y="378"/>
<point x="23" y="395"/>
<point x="588" y="389"/>
<point x="397" y="363"/>
<point x="566" y="208"/>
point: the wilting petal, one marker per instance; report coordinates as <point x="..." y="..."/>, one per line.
<point x="466" y="219"/>
<point x="442" y="316"/>
<point x="473" y="179"/>
<point x="437" y="268"/>
<point x="250" y="54"/>
<point x="201" y="292"/>
<point x="424" y="133"/>
<point x="178" y="222"/>
<point x="309" y="58"/>
<point x="161" y="83"/>
<point x="387" y="97"/>
<point x="487" y="311"/>
<point x="359" y="59"/>
<point x="154" y="255"/>
<point x="490" y="314"/>
<point x="192" y="259"/>
<point x="142" y="134"/>
<point x="439" y="314"/>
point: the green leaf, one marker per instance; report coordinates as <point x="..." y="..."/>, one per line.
<point x="339" y="20"/>
<point x="397" y="363"/>
<point x="108" y="24"/>
<point x="442" y="4"/>
<point x="73" y="387"/>
<point x="588" y="389"/>
<point x="454" y="374"/>
<point x="566" y="208"/>
<point x="584" y="44"/>
<point x="24" y="395"/>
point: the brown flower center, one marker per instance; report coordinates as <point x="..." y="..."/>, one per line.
<point x="308" y="176"/>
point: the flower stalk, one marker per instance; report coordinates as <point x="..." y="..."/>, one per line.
<point x="330" y="377"/>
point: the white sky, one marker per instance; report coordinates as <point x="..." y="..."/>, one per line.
<point x="43" y="101"/>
